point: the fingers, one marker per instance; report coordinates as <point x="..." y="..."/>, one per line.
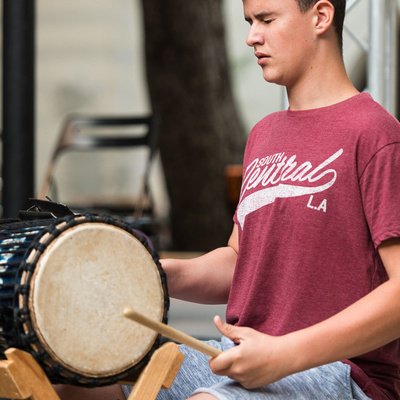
<point x="226" y="329"/>
<point x="221" y="364"/>
<point x="238" y="363"/>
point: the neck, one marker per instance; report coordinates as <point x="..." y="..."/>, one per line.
<point x="327" y="83"/>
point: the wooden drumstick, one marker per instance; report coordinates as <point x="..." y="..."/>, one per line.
<point x="171" y="333"/>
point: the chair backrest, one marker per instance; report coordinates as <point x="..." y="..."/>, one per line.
<point x="88" y="133"/>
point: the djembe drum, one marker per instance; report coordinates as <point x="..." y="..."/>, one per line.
<point x="64" y="284"/>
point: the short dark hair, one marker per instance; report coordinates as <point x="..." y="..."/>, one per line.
<point x="338" y="20"/>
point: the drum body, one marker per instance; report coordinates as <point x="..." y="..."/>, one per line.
<point x="64" y="284"/>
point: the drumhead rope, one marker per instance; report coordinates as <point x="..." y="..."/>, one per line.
<point x="15" y="239"/>
<point x="75" y="279"/>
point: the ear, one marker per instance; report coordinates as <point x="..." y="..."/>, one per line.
<point x="324" y="12"/>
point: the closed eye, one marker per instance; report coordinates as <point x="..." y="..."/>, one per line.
<point x="264" y="16"/>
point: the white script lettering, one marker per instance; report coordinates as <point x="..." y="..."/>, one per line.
<point x="284" y="169"/>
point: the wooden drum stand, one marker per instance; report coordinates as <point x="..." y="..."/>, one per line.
<point x="21" y="377"/>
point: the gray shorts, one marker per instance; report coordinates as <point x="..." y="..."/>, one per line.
<point x="329" y="382"/>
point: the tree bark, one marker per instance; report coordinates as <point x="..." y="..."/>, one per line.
<point x="200" y="132"/>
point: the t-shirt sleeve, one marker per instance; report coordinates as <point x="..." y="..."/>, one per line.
<point x="380" y="190"/>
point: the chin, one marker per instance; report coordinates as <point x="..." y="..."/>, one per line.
<point x="270" y="76"/>
<point x="276" y="78"/>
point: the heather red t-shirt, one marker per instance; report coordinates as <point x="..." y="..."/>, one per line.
<point x="321" y="191"/>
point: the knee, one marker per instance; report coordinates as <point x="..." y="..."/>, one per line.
<point x="202" y="396"/>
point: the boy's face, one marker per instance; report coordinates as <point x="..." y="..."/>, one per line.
<point x="282" y="37"/>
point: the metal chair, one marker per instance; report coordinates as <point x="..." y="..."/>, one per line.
<point x="85" y="133"/>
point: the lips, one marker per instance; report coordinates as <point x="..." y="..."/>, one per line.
<point x="262" y="57"/>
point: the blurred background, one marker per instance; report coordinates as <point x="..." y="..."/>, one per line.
<point x="187" y="64"/>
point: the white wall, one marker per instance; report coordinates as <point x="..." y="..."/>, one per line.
<point x="89" y="60"/>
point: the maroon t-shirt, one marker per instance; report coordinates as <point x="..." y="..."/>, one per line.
<point x="320" y="192"/>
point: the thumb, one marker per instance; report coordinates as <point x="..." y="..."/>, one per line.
<point x="226" y="329"/>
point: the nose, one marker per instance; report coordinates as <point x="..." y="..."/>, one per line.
<point x="254" y="36"/>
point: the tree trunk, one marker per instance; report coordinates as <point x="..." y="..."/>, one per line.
<point x="200" y="132"/>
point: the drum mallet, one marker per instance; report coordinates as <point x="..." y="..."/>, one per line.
<point x="171" y="333"/>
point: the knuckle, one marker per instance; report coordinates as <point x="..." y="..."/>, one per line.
<point x="238" y="371"/>
<point x="247" y="385"/>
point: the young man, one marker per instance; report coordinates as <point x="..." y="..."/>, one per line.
<point x="311" y="272"/>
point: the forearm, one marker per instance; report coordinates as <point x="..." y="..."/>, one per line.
<point x="262" y="359"/>
<point x="366" y="325"/>
<point x="206" y="279"/>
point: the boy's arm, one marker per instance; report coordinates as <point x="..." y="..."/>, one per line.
<point x="206" y="279"/>
<point x="371" y="322"/>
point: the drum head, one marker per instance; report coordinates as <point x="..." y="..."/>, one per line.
<point x="82" y="283"/>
